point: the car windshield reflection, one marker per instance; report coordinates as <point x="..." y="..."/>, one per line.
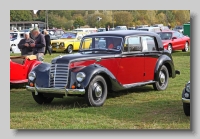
<point x="109" y="44"/>
<point x="69" y="36"/>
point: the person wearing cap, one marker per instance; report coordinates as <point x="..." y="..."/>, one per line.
<point x="40" y="43"/>
<point x="25" y="45"/>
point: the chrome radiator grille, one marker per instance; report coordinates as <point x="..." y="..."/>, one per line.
<point x="58" y="75"/>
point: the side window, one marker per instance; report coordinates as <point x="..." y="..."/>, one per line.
<point x="132" y="44"/>
<point x="176" y="34"/>
<point x="148" y="44"/>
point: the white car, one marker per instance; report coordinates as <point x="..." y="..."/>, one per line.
<point x="15" y="38"/>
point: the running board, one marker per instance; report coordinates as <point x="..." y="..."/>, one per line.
<point x="138" y="84"/>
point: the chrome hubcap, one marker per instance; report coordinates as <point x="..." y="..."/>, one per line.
<point x="186" y="47"/>
<point x="162" y="77"/>
<point x="170" y="49"/>
<point x="97" y="90"/>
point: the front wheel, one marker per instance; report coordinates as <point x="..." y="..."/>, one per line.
<point x="186" y="109"/>
<point x="186" y="48"/>
<point x="162" y="82"/>
<point x="96" y="93"/>
<point x="69" y="49"/>
<point x="40" y="99"/>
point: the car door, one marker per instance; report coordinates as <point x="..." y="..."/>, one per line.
<point x="176" y="43"/>
<point x="131" y="67"/>
<point x="150" y="50"/>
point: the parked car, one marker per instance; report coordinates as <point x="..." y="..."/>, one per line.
<point x="131" y="28"/>
<point x="86" y="30"/>
<point x="152" y="29"/>
<point x="68" y="42"/>
<point x="55" y="33"/>
<point x="173" y="40"/>
<point x="20" y="66"/>
<point x="186" y="99"/>
<point x="15" y="38"/>
<point x="94" y="71"/>
<point x="179" y="29"/>
<point x="101" y="29"/>
<point x="120" y="28"/>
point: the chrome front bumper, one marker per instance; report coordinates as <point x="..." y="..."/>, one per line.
<point x="55" y="90"/>
<point x="184" y="100"/>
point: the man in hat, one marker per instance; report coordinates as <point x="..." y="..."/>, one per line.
<point x="25" y="45"/>
<point x="39" y="45"/>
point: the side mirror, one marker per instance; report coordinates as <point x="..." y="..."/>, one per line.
<point x="174" y="38"/>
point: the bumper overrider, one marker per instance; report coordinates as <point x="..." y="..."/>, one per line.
<point x="63" y="91"/>
<point x="185" y="100"/>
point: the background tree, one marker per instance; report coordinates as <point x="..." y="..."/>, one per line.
<point x="21" y="15"/>
<point x="123" y="18"/>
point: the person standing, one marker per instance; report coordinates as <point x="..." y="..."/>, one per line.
<point x="25" y="45"/>
<point x="48" y="42"/>
<point x="169" y="26"/>
<point x="40" y="43"/>
<point x="108" y="28"/>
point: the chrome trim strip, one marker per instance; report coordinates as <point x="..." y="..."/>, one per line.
<point x="63" y="91"/>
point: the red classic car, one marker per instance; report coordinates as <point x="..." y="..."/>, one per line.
<point x="111" y="60"/>
<point x="173" y="40"/>
<point x="20" y="66"/>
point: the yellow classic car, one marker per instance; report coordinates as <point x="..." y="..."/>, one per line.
<point x="69" y="42"/>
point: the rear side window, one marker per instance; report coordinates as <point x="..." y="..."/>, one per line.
<point x="148" y="44"/>
<point x="132" y="44"/>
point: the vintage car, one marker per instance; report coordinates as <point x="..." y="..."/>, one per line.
<point x="55" y="33"/>
<point x="68" y="42"/>
<point x="20" y="66"/>
<point x="115" y="60"/>
<point x="173" y="40"/>
<point x="186" y="99"/>
<point x="15" y="38"/>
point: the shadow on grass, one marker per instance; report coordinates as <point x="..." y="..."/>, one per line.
<point x="25" y="100"/>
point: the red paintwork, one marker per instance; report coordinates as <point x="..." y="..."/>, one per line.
<point x="19" y="72"/>
<point x="127" y="70"/>
<point x="177" y="44"/>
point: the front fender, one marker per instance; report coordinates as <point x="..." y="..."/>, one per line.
<point x="91" y="71"/>
<point x="42" y="74"/>
<point x="168" y="62"/>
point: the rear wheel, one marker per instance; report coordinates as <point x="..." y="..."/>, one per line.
<point x="186" y="109"/>
<point x="186" y="48"/>
<point x="40" y="99"/>
<point x="96" y="93"/>
<point x="69" y="49"/>
<point x="169" y="48"/>
<point x="162" y="82"/>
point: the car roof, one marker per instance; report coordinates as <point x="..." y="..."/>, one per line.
<point x="122" y="33"/>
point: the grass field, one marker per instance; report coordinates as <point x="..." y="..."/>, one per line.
<point x="139" y="108"/>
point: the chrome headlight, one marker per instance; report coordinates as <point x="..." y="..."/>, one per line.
<point x="187" y="88"/>
<point x="80" y="76"/>
<point x="62" y="44"/>
<point x="31" y="76"/>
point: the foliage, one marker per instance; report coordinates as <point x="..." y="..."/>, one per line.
<point x="68" y="18"/>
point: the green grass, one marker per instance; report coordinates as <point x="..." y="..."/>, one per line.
<point x="139" y="108"/>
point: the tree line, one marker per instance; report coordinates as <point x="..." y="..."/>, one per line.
<point x="68" y="19"/>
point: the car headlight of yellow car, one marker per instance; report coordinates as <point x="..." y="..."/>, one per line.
<point x="62" y="44"/>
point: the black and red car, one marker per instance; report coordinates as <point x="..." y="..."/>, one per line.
<point x="113" y="60"/>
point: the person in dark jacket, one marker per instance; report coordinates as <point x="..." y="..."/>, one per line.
<point x="48" y="42"/>
<point x="40" y="43"/>
<point x="25" y="45"/>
